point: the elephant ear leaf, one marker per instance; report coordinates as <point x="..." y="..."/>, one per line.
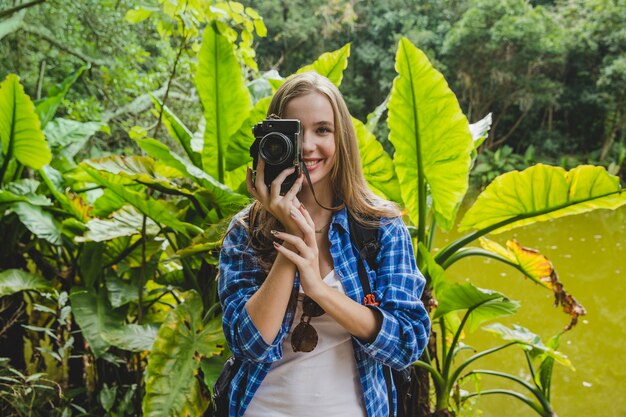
<point x="377" y="165"/>
<point x="173" y="385"/>
<point x="541" y="193"/>
<point x="481" y="304"/>
<point x="530" y="341"/>
<point x="330" y="64"/>
<point x="15" y="280"/>
<point x="94" y="315"/>
<point x="239" y="146"/>
<point x="224" y="97"/>
<point x="431" y="137"/>
<point x="20" y="129"/>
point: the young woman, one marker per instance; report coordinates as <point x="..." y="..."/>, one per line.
<point x="289" y="285"/>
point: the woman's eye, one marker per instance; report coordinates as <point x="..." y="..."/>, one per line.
<point x="323" y="130"/>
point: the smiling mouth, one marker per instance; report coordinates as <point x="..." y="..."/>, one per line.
<point x="312" y="164"/>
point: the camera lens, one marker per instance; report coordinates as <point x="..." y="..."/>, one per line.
<point x="275" y="148"/>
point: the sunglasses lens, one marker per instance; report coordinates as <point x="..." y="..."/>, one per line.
<point x="303" y="338"/>
<point x="311" y="308"/>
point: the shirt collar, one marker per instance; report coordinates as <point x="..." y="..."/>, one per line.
<point x="340" y="217"/>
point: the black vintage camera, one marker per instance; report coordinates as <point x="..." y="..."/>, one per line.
<point x="278" y="142"/>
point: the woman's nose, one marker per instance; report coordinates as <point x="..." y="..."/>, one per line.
<point x="308" y="142"/>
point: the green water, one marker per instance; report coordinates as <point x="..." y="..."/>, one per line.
<point x="588" y="252"/>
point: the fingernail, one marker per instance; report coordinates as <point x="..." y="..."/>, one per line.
<point x="302" y="206"/>
<point x="274" y="232"/>
<point x="276" y="245"/>
<point x="292" y="212"/>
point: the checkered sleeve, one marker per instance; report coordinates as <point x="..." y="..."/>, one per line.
<point x="240" y="277"/>
<point x="398" y="287"/>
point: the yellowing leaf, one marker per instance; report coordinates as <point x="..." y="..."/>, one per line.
<point x="539" y="269"/>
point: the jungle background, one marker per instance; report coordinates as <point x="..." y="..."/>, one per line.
<point x="111" y="80"/>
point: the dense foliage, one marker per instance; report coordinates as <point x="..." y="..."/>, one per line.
<point x="123" y="158"/>
<point x="550" y="71"/>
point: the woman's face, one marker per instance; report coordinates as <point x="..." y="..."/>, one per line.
<point x="318" y="142"/>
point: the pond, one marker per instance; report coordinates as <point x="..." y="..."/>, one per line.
<point x="588" y="252"/>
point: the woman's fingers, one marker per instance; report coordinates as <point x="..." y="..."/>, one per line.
<point x="307" y="216"/>
<point x="278" y="181"/>
<point x="289" y="254"/>
<point x="250" y="183"/>
<point x="295" y="188"/>
<point x="297" y="242"/>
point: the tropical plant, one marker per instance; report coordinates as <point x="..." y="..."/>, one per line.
<point x="434" y="149"/>
<point x="115" y="258"/>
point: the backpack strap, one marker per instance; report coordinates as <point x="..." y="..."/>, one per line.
<point x="365" y="240"/>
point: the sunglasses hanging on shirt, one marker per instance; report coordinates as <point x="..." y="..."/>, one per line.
<point x="304" y="336"/>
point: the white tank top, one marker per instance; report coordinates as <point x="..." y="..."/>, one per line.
<point x="323" y="382"/>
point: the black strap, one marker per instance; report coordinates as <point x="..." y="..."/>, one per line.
<point x="365" y="239"/>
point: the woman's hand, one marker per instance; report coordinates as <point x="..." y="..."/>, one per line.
<point x="305" y="253"/>
<point x="279" y="206"/>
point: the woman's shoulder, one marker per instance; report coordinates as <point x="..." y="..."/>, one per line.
<point x="392" y="226"/>
<point x="238" y="225"/>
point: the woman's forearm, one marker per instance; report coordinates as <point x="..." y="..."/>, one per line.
<point x="267" y="307"/>
<point x="360" y="321"/>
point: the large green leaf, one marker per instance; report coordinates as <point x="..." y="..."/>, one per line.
<point x="330" y="64"/>
<point x="133" y="337"/>
<point x="180" y="132"/>
<point x="107" y="203"/>
<point x="90" y="263"/>
<point x="142" y="169"/>
<point x="239" y="146"/>
<point x="47" y="107"/>
<point x="41" y="223"/>
<point x="529" y="341"/>
<point x="224" y="96"/>
<point x="95" y="317"/>
<point x="158" y="210"/>
<point x="121" y="291"/>
<point x="482" y="304"/>
<point x="15" y="280"/>
<point x="24" y="190"/>
<point x="124" y="222"/>
<point x="219" y="195"/>
<point x="377" y="165"/>
<point x="20" y="129"/>
<point x="68" y="137"/>
<point x="430" y="134"/>
<point x="433" y="272"/>
<point x="541" y="193"/>
<point x="172" y="383"/>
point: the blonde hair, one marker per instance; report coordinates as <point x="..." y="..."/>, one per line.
<point x="346" y="177"/>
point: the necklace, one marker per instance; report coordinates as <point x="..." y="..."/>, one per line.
<point x="321" y="229"/>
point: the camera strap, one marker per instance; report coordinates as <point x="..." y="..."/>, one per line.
<point x="308" y="178"/>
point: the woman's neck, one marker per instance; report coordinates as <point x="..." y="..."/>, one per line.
<point x="320" y="215"/>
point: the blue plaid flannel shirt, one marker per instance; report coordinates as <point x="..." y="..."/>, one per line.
<point x="397" y="286"/>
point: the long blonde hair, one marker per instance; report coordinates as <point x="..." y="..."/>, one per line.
<point x="346" y="177"/>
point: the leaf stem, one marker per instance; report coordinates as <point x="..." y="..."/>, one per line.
<point x="514" y="394"/>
